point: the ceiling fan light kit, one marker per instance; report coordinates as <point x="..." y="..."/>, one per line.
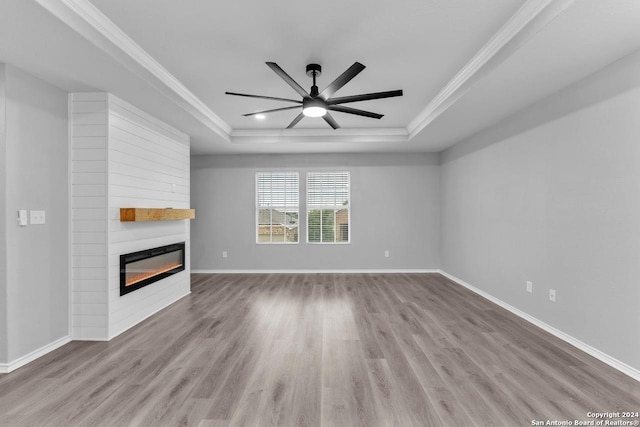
<point x="314" y="107"/>
<point x="318" y="104"/>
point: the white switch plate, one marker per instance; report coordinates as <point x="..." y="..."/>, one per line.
<point x="552" y="295"/>
<point x="529" y="287"/>
<point x="386" y="254"/>
<point x="224" y="254"/>
<point x="38" y="217"/>
<point x="22" y="218"/>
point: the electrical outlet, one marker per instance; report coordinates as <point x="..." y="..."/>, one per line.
<point x="224" y="254"/>
<point x="552" y="295"/>
<point x="38" y="217"/>
<point x="529" y="287"/>
<point x="386" y="254"/>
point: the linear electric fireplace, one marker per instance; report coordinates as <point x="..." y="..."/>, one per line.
<point x="139" y="269"/>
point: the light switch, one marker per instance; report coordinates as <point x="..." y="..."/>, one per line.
<point x="22" y="218"/>
<point x="38" y="217"/>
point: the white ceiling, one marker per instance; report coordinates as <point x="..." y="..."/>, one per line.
<point x="463" y="65"/>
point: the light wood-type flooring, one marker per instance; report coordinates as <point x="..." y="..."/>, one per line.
<point x="318" y="350"/>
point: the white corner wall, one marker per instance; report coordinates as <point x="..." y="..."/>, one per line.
<point x="394" y="206"/>
<point x="89" y="131"/>
<point x="122" y="157"/>
<point x="556" y="202"/>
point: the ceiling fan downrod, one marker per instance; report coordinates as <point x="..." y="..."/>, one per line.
<point x="314" y="70"/>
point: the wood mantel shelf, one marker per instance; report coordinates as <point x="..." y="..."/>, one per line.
<point x="154" y="214"/>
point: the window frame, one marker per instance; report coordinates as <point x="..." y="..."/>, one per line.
<point x="284" y="208"/>
<point x="335" y="208"/>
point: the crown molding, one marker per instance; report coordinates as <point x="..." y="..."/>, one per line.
<point x="262" y="136"/>
<point x="90" y="23"/>
<point x="532" y="17"/>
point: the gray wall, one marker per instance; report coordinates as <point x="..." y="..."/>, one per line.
<point x="556" y="203"/>
<point x="36" y="177"/>
<point x="394" y="206"/>
<point x="3" y="221"/>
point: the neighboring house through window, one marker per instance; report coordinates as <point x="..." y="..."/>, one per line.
<point x="328" y="207"/>
<point x="277" y="207"/>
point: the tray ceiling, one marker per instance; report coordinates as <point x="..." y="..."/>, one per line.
<point x="463" y="65"/>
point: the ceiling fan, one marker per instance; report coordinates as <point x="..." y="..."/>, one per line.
<point x="318" y="104"/>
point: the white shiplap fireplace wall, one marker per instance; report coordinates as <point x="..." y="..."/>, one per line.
<point x="122" y="157"/>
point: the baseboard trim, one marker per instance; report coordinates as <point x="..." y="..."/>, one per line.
<point x="90" y="339"/>
<point x="314" y="271"/>
<point x="592" y="351"/>
<point x="6" y="368"/>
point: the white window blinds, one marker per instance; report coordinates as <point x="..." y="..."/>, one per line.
<point x="277" y="207"/>
<point x="328" y="207"/>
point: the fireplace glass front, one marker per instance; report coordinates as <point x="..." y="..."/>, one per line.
<point x="139" y="269"/>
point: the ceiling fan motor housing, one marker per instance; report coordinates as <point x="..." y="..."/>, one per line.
<point x="314" y="68"/>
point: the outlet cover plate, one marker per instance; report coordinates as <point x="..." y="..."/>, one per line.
<point x="37" y="217"/>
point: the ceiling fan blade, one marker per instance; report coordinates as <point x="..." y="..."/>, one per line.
<point x="271" y="111"/>
<point x="342" y="80"/>
<point x="327" y="118"/>
<point x="263" y="97"/>
<point x="295" y="121"/>
<point x="284" y="76"/>
<point x="355" y="111"/>
<point x="364" y="97"/>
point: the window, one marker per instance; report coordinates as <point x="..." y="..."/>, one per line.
<point x="328" y="210"/>
<point x="277" y="200"/>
